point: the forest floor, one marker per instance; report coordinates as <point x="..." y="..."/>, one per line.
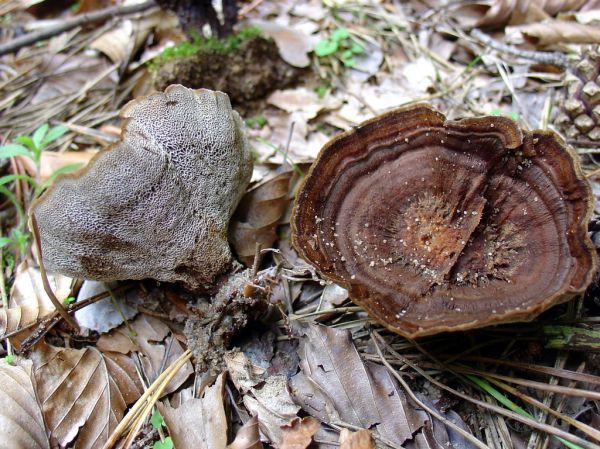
<point x="310" y="368"/>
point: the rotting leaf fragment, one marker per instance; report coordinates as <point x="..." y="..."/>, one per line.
<point x="436" y="225"/>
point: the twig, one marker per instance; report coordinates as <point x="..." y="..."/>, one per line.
<point x="543" y="57"/>
<point x="69" y="24"/>
<point x="57" y="304"/>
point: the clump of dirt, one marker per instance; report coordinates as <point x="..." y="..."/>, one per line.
<point x="216" y="322"/>
<point x="246" y="71"/>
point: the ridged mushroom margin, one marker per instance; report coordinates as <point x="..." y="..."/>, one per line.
<point x="436" y="225"/>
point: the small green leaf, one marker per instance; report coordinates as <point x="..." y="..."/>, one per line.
<point x="167" y="443"/>
<point x="256" y="122"/>
<point x="325" y="47"/>
<point x="10" y="178"/>
<point x="321" y="91"/>
<point x="53" y="134"/>
<point x="513" y="115"/>
<point x="38" y="136"/>
<point x="357" y="49"/>
<point x="9" y="359"/>
<point x="69" y="300"/>
<point x="496" y="111"/>
<point x="27" y="141"/>
<point x="157" y="420"/>
<point x="340" y="34"/>
<point x="4" y="241"/>
<point x="13" y="149"/>
<point x="349" y="62"/>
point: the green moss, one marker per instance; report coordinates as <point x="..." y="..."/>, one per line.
<point x="201" y="44"/>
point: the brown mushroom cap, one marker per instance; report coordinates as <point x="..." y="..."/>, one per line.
<point x="436" y="225"/>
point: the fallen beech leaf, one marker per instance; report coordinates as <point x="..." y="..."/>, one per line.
<point x="293" y="45"/>
<point x="356" y="440"/>
<point x="334" y="383"/>
<point x="83" y="392"/>
<point x="21" y="421"/>
<point x="29" y="302"/>
<point x="257" y="216"/>
<point x="151" y="337"/>
<point x="560" y="31"/>
<point x="199" y="422"/>
<point x="265" y="396"/>
<point x="298" y="433"/>
<point x="248" y="436"/>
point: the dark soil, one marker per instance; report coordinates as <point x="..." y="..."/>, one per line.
<point x="249" y="72"/>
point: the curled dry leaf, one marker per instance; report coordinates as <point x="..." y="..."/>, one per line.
<point x="293" y="45"/>
<point x="248" y="437"/>
<point x="83" y="393"/>
<point x="335" y="384"/>
<point x="356" y="440"/>
<point x="199" y="422"/>
<point x="29" y="302"/>
<point x="265" y="396"/>
<point x="257" y="216"/>
<point x="21" y="421"/>
<point x="298" y="433"/>
<point x="560" y="32"/>
<point x="125" y="40"/>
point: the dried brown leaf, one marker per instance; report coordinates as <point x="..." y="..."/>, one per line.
<point x="125" y="40"/>
<point x="29" y="302"/>
<point x="264" y="396"/>
<point x="356" y="440"/>
<point x="304" y="100"/>
<point x="560" y="31"/>
<point x="335" y="382"/>
<point x="199" y="422"/>
<point x="68" y="74"/>
<point x="257" y="216"/>
<point x="293" y="45"/>
<point x="21" y="421"/>
<point x="83" y="392"/>
<point x="298" y="433"/>
<point x="248" y="437"/>
<point x="151" y="337"/>
<point x="498" y="13"/>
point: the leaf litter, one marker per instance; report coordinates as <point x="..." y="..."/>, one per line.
<point x="291" y="382"/>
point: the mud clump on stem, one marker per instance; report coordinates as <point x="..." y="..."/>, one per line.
<point x="247" y="69"/>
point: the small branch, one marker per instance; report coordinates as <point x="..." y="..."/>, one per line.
<point x="69" y="24"/>
<point x="543" y="57"/>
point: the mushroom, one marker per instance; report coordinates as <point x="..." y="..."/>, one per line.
<point x="436" y="225"/>
<point x="158" y="203"/>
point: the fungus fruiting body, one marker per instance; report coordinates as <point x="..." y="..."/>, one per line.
<point x="158" y="203"/>
<point x="436" y="225"/>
